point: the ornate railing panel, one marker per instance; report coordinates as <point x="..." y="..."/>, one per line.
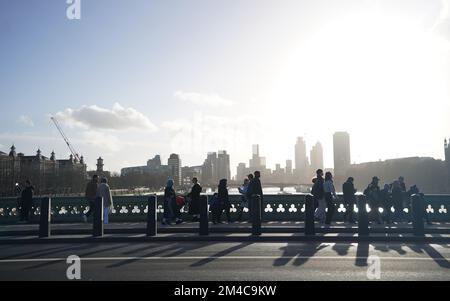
<point x="134" y="209"/>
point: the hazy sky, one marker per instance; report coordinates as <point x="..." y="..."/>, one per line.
<point x="132" y="79"/>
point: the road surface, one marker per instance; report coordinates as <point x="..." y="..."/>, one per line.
<point x="226" y="261"/>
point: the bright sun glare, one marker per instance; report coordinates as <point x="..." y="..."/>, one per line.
<point x="358" y="63"/>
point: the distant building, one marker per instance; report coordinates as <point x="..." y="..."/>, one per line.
<point x="316" y="157"/>
<point x="99" y="171"/>
<point x="429" y="174"/>
<point x="209" y="169"/>
<point x="174" y="163"/>
<point x="341" y="150"/>
<point x="289" y="168"/>
<point x="189" y="172"/>
<point x="257" y="162"/>
<point x="301" y="160"/>
<point x="223" y="165"/>
<point x="241" y="172"/>
<point x="153" y="167"/>
<point x="215" y="167"/>
<point x="48" y="175"/>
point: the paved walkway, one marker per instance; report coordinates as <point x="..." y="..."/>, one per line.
<point x="227" y="261"/>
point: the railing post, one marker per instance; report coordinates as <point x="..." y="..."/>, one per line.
<point x="363" y="217"/>
<point x="417" y="209"/>
<point x="152" y="229"/>
<point x="256" y="214"/>
<point x="98" y="218"/>
<point x="309" y="215"/>
<point x="45" y="219"/>
<point x="204" y="218"/>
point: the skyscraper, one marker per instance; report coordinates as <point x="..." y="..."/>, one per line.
<point x="223" y="165"/>
<point x="257" y="162"/>
<point x="316" y="156"/>
<point x="288" y="167"/>
<point x="341" y="150"/>
<point x="301" y="160"/>
<point x="209" y="169"/>
<point x="174" y="163"/>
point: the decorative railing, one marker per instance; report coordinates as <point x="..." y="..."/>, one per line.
<point x="134" y="209"/>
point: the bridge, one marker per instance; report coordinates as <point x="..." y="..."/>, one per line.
<point x="283" y="243"/>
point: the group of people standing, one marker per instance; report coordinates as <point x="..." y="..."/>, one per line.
<point x="95" y="190"/>
<point x="218" y="204"/>
<point x="392" y="195"/>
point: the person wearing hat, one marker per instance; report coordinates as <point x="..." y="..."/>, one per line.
<point x="349" y="191"/>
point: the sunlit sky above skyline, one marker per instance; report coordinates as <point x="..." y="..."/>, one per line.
<point x="132" y="79"/>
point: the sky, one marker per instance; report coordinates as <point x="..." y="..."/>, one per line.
<point x="132" y="79"/>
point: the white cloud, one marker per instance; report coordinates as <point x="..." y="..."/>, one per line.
<point x="26" y="120"/>
<point x="118" y="118"/>
<point x="101" y="140"/>
<point x="203" y="99"/>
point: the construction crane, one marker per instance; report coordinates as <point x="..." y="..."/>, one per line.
<point x="69" y="145"/>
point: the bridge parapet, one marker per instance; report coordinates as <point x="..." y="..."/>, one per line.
<point x="282" y="207"/>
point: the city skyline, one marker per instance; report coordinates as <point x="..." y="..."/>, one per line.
<point x="312" y="155"/>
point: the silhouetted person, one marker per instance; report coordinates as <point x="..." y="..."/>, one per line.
<point x="348" y="189"/>
<point x="215" y="208"/>
<point x="244" y="201"/>
<point x="330" y="197"/>
<point x="27" y="202"/>
<point x="91" y="194"/>
<point x="373" y="194"/>
<point x="171" y="210"/>
<point x="249" y="188"/>
<point x="414" y="190"/>
<point x="397" y="201"/>
<point x="224" y="200"/>
<point x="386" y="201"/>
<point x="255" y="189"/>
<point x="401" y="181"/>
<point x="103" y="191"/>
<point x="319" y="196"/>
<point x="194" y="207"/>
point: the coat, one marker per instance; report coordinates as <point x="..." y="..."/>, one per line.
<point x="91" y="190"/>
<point x="194" y="207"/>
<point x="104" y="192"/>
